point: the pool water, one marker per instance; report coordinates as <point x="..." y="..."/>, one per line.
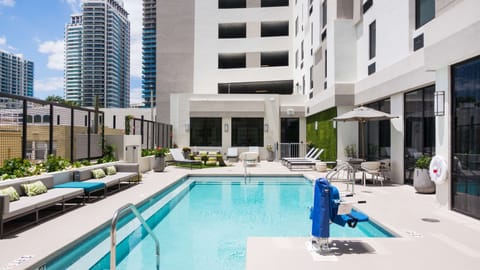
<point x="206" y="225"/>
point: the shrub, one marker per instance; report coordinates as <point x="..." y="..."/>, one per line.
<point x="108" y="154"/>
<point x="423" y="162"/>
<point x="16" y="167"/>
<point x="54" y="163"/>
<point x="161" y="151"/>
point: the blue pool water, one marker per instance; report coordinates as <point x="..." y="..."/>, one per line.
<point x="205" y="224"/>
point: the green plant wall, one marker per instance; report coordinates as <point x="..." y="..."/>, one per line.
<point x="325" y="136"/>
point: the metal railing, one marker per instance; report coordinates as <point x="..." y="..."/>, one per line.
<point x="288" y="150"/>
<point x="113" y="234"/>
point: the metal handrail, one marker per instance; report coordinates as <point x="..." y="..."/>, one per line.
<point x="113" y="234"/>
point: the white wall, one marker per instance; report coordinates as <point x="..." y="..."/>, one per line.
<point x="208" y="46"/>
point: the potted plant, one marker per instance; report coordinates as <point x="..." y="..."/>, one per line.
<point x="421" y="179"/>
<point x="186" y="152"/>
<point x="351" y="151"/>
<point x="269" y="152"/>
<point x="159" y="163"/>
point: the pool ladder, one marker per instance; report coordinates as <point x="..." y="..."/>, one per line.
<point x="113" y="234"/>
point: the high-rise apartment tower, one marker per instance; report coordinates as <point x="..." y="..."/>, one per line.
<point x="16" y="75"/>
<point x="149" y="43"/>
<point x="101" y="55"/>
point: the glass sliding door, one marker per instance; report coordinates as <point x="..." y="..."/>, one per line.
<point x="377" y="134"/>
<point x="419" y="128"/>
<point x="466" y="137"/>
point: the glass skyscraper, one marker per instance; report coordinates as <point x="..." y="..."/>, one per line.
<point x="101" y="54"/>
<point x="149" y="52"/>
<point x="16" y="76"/>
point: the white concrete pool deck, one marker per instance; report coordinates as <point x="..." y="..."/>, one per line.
<point x="453" y="242"/>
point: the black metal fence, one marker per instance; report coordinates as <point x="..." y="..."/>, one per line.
<point x="154" y="134"/>
<point x="32" y="129"/>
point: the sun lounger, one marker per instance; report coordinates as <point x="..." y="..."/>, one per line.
<point x="310" y="154"/>
<point x="178" y="158"/>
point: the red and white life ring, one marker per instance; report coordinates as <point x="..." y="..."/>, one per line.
<point x="438" y="170"/>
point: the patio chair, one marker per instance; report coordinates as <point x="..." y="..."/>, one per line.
<point x="179" y="158"/>
<point x="372" y="168"/>
<point x="232" y="153"/>
<point x="255" y="150"/>
<point x="250" y="158"/>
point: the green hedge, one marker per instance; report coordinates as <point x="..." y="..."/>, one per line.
<point x="325" y="136"/>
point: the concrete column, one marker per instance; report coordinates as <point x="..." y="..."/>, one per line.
<point x="253" y="60"/>
<point x="226" y="135"/>
<point x="253" y="29"/>
<point x="397" y="139"/>
<point x="253" y="3"/>
<point x="443" y="140"/>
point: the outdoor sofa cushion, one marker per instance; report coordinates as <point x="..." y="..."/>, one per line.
<point x="98" y="173"/>
<point x="35" y="188"/>
<point x="86" y="186"/>
<point x="11" y="193"/>
<point x="110" y="170"/>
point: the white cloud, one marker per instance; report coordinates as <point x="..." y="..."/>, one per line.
<point x="135" y="9"/>
<point x="52" y="84"/>
<point x="136" y="96"/>
<point x="54" y="49"/>
<point x="75" y="5"/>
<point x="3" y="40"/>
<point x="8" y="3"/>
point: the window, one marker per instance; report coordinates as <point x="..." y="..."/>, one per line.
<point x="465" y="137"/>
<point x="367" y="5"/>
<point x="302" y="53"/>
<point x="377" y="136"/>
<point x="46" y="119"/>
<point x="296" y="26"/>
<point x="324" y="13"/>
<point x="424" y="12"/>
<point x="247" y="132"/>
<point x="371" y="68"/>
<point x="274" y="29"/>
<point x="205" y="131"/>
<point x="232" y="4"/>
<point x="311" y="77"/>
<point x="296" y="59"/>
<point x="418" y="42"/>
<point x="419" y="127"/>
<point x="372" y="39"/>
<point x="232" y="30"/>
<point x="303" y="84"/>
<point x="325" y="64"/>
<point x="233" y="60"/>
<point x="273" y="59"/>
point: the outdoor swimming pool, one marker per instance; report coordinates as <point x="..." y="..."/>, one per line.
<point x="204" y="223"/>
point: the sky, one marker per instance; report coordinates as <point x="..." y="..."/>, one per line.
<point x="34" y="29"/>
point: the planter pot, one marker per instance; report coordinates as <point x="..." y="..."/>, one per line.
<point x="269" y="156"/>
<point x="159" y="164"/>
<point x="422" y="182"/>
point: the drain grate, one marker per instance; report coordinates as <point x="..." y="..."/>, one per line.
<point x="431" y="220"/>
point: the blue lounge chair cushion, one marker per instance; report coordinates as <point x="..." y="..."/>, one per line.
<point x="87" y="186"/>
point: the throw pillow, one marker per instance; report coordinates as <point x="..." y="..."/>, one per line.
<point x="11" y="193"/>
<point x="111" y="170"/>
<point x="35" y="188"/>
<point x="98" y="173"/>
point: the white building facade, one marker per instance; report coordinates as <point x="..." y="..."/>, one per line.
<point x="224" y="73"/>
<point x="415" y="59"/>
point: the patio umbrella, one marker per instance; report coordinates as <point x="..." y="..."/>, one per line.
<point x="362" y="115"/>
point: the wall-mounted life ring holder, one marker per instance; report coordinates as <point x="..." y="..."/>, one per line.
<point x="438" y="170"/>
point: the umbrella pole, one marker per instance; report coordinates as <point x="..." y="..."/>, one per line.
<point x="362" y="138"/>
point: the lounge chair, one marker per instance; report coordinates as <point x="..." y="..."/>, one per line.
<point x="305" y="162"/>
<point x="232" y="153"/>
<point x="179" y="158"/>
<point x="372" y="168"/>
<point x="310" y="154"/>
